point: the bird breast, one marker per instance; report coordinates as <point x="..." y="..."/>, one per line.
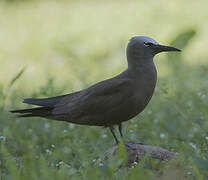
<point x="145" y="85"/>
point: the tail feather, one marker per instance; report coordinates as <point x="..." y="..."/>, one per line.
<point x="40" y="112"/>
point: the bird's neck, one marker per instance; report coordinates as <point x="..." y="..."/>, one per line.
<point x="140" y="63"/>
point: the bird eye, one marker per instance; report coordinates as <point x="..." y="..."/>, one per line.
<point x="147" y="44"/>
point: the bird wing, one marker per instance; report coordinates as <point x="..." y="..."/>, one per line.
<point x="46" y="102"/>
<point x="95" y="100"/>
<point x="103" y="104"/>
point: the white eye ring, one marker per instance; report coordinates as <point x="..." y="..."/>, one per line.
<point x="148" y="44"/>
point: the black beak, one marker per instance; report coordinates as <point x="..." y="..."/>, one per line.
<point x="162" y="48"/>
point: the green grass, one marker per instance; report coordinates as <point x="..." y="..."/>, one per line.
<point x="50" y="48"/>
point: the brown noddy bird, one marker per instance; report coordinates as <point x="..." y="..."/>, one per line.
<point x="109" y="102"/>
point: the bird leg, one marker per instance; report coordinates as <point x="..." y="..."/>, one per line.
<point x="120" y="130"/>
<point x="114" y="135"/>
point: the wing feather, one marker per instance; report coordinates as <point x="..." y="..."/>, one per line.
<point x="99" y="98"/>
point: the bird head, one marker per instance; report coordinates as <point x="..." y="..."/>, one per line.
<point x="142" y="47"/>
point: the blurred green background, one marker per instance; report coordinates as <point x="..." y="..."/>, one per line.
<point x="49" y="48"/>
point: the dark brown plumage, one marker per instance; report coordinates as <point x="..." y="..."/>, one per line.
<point x="109" y="102"/>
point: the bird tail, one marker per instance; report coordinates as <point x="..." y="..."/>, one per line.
<point x="47" y="105"/>
<point x="34" y="112"/>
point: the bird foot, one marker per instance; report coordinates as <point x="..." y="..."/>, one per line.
<point x="128" y="143"/>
